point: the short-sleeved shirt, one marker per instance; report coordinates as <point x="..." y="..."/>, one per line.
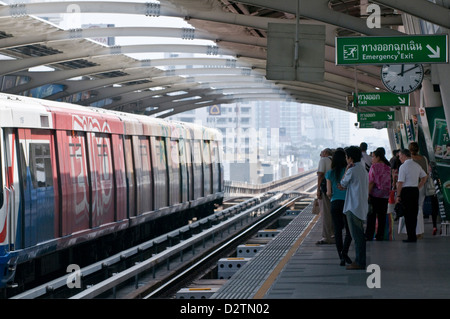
<point x="336" y="192"/>
<point x="409" y="173"/>
<point x="324" y="165"/>
<point x="356" y="180"/>
<point x="380" y="175"/>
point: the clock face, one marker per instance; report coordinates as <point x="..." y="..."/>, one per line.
<point x="402" y="78"/>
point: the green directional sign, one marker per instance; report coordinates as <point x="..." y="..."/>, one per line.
<point x="376" y="116"/>
<point x="392" y="49"/>
<point x="381" y="99"/>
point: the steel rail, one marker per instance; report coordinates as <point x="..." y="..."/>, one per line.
<point x="221" y="248"/>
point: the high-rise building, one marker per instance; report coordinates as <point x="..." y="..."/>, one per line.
<point x="264" y="141"/>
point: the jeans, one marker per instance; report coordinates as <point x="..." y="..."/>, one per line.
<point x="340" y="222"/>
<point x="356" y="227"/>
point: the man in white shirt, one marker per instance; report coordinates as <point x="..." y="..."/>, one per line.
<point x="324" y="201"/>
<point x="411" y="177"/>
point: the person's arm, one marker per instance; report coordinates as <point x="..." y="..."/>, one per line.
<point x="399" y="191"/>
<point x="422" y="182"/>
<point x="320" y="177"/>
<point x="329" y="188"/>
<point x="371" y="186"/>
<point x="347" y="175"/>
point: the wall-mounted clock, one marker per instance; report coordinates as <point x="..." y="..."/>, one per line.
<point x="402" y="78"/>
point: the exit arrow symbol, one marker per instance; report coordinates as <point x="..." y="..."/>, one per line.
<point x="401" y="100"/>
<point x="434" y="53"/>
<point x="389" y="117"/>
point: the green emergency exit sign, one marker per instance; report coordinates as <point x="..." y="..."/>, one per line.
<point x="392" y="49"/>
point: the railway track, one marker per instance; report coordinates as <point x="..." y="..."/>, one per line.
<point x="157" y="267"/>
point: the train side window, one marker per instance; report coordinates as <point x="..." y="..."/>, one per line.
<point x="40" y="165"/>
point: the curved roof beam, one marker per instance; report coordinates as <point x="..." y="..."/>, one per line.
<point x="18" y="65"/>
<point x="124" y="90"/>
<point x="423" y="9"/>
<point x="318" y="10"/>
<point x="148" y="9"/>
<point x="130" y="98"/>
<point x="195" y="103"/>
<point x="42" y="78"/>
<point x="341" y="79"/>
<point x="345" y="81"/>
<point x="179" y="33"/>
<point x="226" y="99"/>
<point x="149" y="95"/>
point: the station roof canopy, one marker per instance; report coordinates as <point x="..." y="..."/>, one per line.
<point x="156" y="77"/>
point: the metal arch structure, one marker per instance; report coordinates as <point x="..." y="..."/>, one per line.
<point x="238" y="30"/>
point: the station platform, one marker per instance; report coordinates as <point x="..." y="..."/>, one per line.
<point x="293" y="266"/>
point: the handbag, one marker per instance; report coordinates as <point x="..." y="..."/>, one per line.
<point x="429" y="187"/>
<point x="399" y="210"/>
<point x="316" y="207"/>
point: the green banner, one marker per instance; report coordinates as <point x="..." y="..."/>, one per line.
<point x="392" y="49"/>
<point x="441" y="146"/>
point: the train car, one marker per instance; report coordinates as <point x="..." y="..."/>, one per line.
<point x="73" y="174"/>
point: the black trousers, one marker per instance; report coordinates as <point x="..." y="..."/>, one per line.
<point x="410" y="200"/>
<point x="340" y="223"/>
<point x="379" y="210"/>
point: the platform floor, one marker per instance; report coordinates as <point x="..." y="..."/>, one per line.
<point x="418" y="270"/>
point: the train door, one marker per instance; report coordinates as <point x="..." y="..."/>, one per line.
<point x="102" y="179"/>
<point x="174" y="172"/>
<point x="39" y="215"/>
<point x="215" y="167"/>
<point x="207" y="169"/>
<point x="197" y="169"/>
<point x="190" y="169"/>
<point x="143" y="173"/>
<point x="160" y="171"/>
<point x="9" y="197"/>
<point x="118" y="159"/>
<point x="4" y="198"/>
<point x="75" y="195"/>
<point x="184" y="182"/>
<point x="130" y="175"/>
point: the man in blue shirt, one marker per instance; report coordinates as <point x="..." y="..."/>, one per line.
<point x="356" y="181"/>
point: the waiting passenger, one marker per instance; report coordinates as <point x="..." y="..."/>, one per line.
<point x="423" y="162"/>
<point x="408" y="186"/>
<point x="395" y="165"/>
<point x="356" y="181"/>
<point x="379" y="188"/>
<point x="366" y="159"/>
<point x="324" y="201"/>
<point x="337" y="198"/>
